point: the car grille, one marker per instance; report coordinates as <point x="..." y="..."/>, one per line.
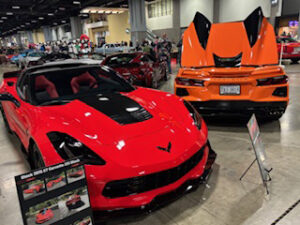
<point x="140" y="184"/>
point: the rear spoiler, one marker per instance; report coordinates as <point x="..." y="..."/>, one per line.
<point x="12" y="74"/>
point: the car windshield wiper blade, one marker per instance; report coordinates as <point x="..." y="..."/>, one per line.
<point x="55" y="102"/>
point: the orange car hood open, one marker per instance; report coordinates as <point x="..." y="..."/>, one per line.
<point x="251" y="42"/>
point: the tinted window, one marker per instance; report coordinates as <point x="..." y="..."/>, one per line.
<point x="120" y="60"/>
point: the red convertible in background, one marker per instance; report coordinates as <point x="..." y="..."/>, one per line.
<point x="138" y="68"/>
<point x="290" y="48"/>
<point x="34" y="189"/>
<point x="43" y="216"/>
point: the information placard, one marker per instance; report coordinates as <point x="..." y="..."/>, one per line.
<point x="56" y="194"/>
<point x="259" y="149"/>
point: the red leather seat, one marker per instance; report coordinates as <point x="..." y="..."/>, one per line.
<point x="84" y="80"/>
<point x="43" y="84"/>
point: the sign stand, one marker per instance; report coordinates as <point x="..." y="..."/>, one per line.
<point x="260" y="154"/>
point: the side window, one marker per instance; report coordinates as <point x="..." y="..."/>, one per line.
<point x="23" y="87"/>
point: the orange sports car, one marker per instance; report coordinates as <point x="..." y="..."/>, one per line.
<point x="232" y="68"/>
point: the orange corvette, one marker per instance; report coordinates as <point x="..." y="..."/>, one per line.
<point x="232" y="68"/>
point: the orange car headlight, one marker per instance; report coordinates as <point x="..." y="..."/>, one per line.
<point x="189" y="82"/>
<point x="272" y="81"/>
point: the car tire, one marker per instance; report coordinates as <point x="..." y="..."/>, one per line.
<point x="35" y="157"/>
<point x="294" y="61"/>
<point x="5" y="120"/>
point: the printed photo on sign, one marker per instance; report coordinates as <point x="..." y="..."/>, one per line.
<point x="56" y="181"/>
<point x="84" y="221"/>
<point x="75" y="174"/>
<point x="43" y="213"/>
<point x="34" y="187"/>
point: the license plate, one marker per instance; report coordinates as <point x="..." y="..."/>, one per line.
<point x="230" y="90"/>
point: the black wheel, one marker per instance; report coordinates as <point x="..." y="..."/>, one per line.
<point x="295" y="60"/>
<point x="35" y="158"/>
<point x="5" y="120"/>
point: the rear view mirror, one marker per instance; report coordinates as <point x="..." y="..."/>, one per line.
<point x="9" y="97"/>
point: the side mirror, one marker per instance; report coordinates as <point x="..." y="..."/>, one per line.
<point x="9" y="97"/>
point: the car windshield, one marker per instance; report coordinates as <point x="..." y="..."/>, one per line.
<point x="35" y="54"/>
<point x="60" y="86"/>
<point x="119" y="60"/>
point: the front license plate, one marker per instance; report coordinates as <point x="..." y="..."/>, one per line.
<point x="230" y="90"/>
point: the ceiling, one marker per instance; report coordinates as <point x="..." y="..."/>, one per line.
<point x="18" y="15"/>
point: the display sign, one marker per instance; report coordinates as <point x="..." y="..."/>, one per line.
<point x="259" y="149"/>
<point x="56" y="194"/>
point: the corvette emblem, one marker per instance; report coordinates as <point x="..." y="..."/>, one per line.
<point x="167" y="149"/>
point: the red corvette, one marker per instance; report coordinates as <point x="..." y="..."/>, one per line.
<point x="43" y="216"/>
<point x="136" y="147"/>
<point x="34" y="189"/>
<point x="290" y="48"/>
<point x="78" y="173"/>
<point x="139" y="68"/>
<point x="51" y="183"/>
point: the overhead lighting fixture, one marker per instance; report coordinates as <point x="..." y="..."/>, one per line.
<point x="100" y="11"/>
<point x="4" y="17"/>
<point x="62" y="8"/>
<point x="16" y="7"/>
<point x="54" y="24"/>
<point x="41" y="18"/>
<point x="27" y="23"/>
<point x="9" y="13"/>
<point x="50" y="14"/>
<point x="33" y="21"/>
<point x="63" y="21"/>
<point x="115" y="12"/>
<point x="76" y="2"/>
<point x="22" y="25"/>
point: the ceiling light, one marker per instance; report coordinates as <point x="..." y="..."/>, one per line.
<point x="9" y="13"/>
<point x="55" y="24"/>
<point x="16" y="7"/>
<point x="100" y="11"/>
<point x="22" y="25"/>
<point x="27" y="23"/>
<point x="61" y="8"/>
<point x="41" y="18"/>
<point x="33" y="21"/>
<point x="1" y="21"/>
<point x="50" y="14"/>
<point x="76" y="2"/>
<point x="63" y="21"/>
<point x="4" y="17"/>
<point x="115" y="12"/>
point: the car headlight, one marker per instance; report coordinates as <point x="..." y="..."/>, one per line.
<point x="194" y="114"/>
<point x="68" y="147"/>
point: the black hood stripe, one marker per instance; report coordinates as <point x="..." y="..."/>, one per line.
<point x="118" y="107"/>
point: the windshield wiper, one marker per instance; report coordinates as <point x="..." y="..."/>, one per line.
<point x="55" y="102"/>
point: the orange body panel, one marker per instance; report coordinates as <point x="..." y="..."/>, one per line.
<point x="256" y="55"/>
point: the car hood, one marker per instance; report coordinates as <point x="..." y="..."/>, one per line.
<point x="136" y="140"/>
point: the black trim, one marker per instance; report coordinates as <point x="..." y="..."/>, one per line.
<point x="12" y="74"/>
<point x="242" y="108"/>
<point x="161" y="200"/>
<point x="253" y="25"/>
<point x="140" y="184"/>
<point x="202" y="27"/>
<point x="228" y="62"/>
<point x="118" y="107"/>
<point x="280" y="92"/>
<point x="181" y="92"/>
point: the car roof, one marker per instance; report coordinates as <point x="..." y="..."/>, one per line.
<point x="62" y="64"/>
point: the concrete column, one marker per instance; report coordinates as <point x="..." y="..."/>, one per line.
<point x="29" y="36"/>
<point x="137" y="20"/>
<point x="216" y="11"/>
<point x="176" y="20"/>
<point x="18" y="39"/>
<point x="299" y="26"/>
<point x="76" y="27"/>
<point x="47" y="33"/>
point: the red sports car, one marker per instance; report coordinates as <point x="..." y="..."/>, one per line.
<point x="73" y="201"/>
<point x="138" y="144"/>
<point x="34" y="189"/>
<point x="43" y="216"/>
<point x="139" y="68"/>
<point x="51" y="183"/>
<point x="290" y="48"/>
<point x="78" y="173"/>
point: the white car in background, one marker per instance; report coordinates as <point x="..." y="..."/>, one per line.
<point x="30" y="60"/>
<point x="108" y="49"/>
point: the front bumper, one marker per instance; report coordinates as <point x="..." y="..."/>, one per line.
<point x="163" y="199"/>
